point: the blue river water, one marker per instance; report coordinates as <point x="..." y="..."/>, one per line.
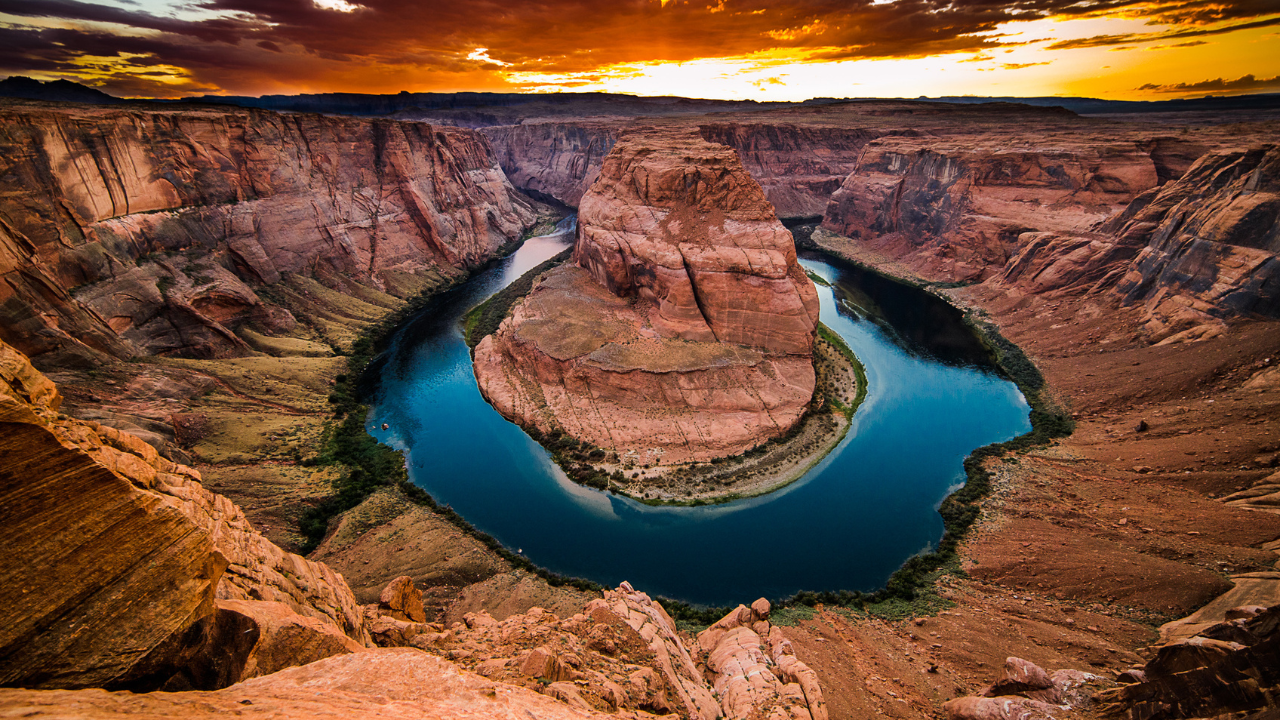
<point x="848" y="524"/>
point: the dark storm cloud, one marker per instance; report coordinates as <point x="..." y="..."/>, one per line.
<point x="1105" y="40"/>
<point x="1248" y="83"/>
<point x="386" y="44"/>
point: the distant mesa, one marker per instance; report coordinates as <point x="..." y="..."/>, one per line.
<point x="684" y="328"/>
<point x="26" y="88"/>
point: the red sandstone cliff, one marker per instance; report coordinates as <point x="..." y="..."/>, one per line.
<point x="132" y="231"/>
<point x="121" y="570"/>
<point x="958" y="207"/>
<point x="1193" y="253"/>
<point x="685" y="331"/>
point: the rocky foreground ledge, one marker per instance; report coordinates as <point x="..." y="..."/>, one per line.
<point x="122" y="573"/>
<point x="684" y="330"/>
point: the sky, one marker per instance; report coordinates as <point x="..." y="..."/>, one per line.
<point x="728" y="49"/>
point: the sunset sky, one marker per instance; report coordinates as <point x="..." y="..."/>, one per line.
<point x="736" y="49"/>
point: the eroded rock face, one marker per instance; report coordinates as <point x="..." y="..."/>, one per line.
<point x="622" y="653"/>
<point x="1210" y="242"/>
<point x="754" y="669"/>
<point x="150" y="231"/>
<point x="685" y="330"/>
<point x="114" y="556"/>
<point x="558" y="160"/>
<point x="1203" y="677"/>
<point x="797" y="166"/>
<point x="959" y="207"/>
<point x="677" y="221"/>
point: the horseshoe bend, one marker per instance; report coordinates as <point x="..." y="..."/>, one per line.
<point x="982" y="399"/>
<point x="683" y="329"/>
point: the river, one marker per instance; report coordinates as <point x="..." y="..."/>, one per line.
<point x="933" y="396"/>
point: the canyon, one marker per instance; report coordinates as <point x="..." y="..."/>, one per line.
<point x="228" y="251"/>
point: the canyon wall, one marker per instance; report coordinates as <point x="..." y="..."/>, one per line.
<point x="142" y="232"/>
<point x="1192" y="253"/>
<point x="957" y="207"/>
<point x="121" y="570"/>
<point x="555" y="160"/>
<point x="685" y="329"/>
<point x="798" y="166"/>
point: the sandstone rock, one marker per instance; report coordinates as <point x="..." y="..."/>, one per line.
<point x="543" y="664"/>
<point x="1189" y="654"/>
<point x="1209" y="243"/>
<point x="1023" y="677"/>
<point x="388" y="684"/>
<point x="557" y="159"/>
<point x="1235" y="679"/>
<point x="403" y="600"/>
<point x="285" y="638"/>
<point x="797" y="166"/>
<point x="568" y="694"/>
<point x="116" y="556"/>
<point x="391" y="631"/>
<point x="167" y="219"/>
<point x="760" y="609"/>
<point x="1245" y="612"/>
<point x="1004" y="708"/>
<point x="957" y="206"/>
<point x="684" y="333"/>
<point x="754" y="669"/>
<point x="678" y="221"/>
<point x="1132" y="675"/>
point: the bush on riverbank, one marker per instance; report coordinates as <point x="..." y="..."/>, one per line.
<point x="485" y="318"/>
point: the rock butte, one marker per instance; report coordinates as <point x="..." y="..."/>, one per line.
<point x="684" y="329"/>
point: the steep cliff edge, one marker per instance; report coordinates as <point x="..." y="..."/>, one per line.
<point x="1192" y="254"/>
<point x="121" y="570"/>
<point x="1210" y="243"/>
<point x="957" y="207"/>
<point x="685" y="329"/>
<point x="798" y="166"/>
<point x="143" y="232"/>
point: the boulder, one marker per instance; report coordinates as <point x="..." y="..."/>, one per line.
<point x="1189" y="654"/>
<point x="402" y="600"/>
<point x="1001" y="708"/>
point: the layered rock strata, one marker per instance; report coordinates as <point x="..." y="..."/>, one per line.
<point x="959" y="207"/>
<point x="1229" y="667"/>
<point x="121" y="570"/>
<point x="142" y="232"/>
<point x="1191" y="253"/>
<point x="684" y="331"/>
